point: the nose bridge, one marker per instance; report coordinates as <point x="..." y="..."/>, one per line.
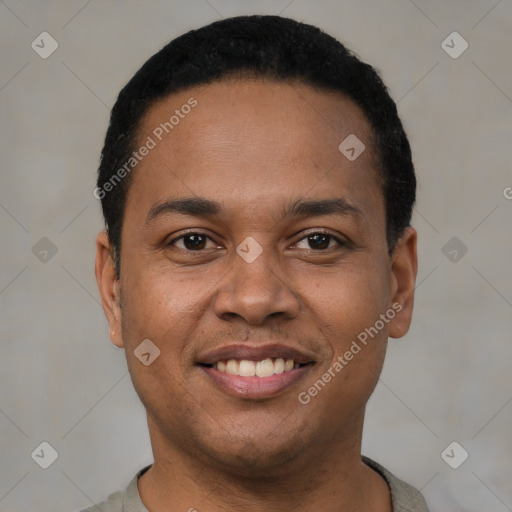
<point x="253" y="276"/>
<point x="257" y="266"/>
<point x="255" y="288"/>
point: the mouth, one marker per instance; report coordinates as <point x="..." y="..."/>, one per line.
<point x="255" y="372"/>
<point x="247" y="368"/>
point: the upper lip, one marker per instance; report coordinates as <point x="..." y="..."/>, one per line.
<point x="254" y="353"/>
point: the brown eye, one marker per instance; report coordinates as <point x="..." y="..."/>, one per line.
<point x="194" y="242"/>
<point x="319" y="241"/>
<point x="191" y="241"/>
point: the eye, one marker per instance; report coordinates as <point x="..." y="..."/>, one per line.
<point x="319" y="240"/>
<point x="192" y="241"/>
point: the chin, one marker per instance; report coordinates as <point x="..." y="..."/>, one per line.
<point x="252" y="452"/>
<point x="252" y="460"/>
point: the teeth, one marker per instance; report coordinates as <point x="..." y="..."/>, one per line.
<point x="247" y="368"/>
<point x="264" y="368"/>
<point x="232" y="367"/>
<point x="279" y="366"/>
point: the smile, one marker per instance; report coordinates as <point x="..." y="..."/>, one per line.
<point x="247" y="368"/>
<point x="255" y="372"/>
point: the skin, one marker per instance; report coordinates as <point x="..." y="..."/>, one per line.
<point x="255" y="147"/>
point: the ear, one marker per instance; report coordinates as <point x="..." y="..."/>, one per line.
<point x="404" y="268"/>
<point x="109" y="287"/>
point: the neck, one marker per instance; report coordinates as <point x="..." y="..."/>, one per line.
<point x="326" y="479"/>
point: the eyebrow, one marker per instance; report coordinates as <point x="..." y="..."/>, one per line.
<point x="202" y="207"/>
<point x="317" y="207"/>
<point x="195" y="206"/>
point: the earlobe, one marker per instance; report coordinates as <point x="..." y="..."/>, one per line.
<point x="109" y="287"/>
<point x="404" y="268"/>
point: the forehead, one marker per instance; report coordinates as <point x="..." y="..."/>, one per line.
<point x="247" y="139"/>
<point x="229" y="105"/>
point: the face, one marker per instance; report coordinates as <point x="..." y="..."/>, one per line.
<point x="253" y="257"/>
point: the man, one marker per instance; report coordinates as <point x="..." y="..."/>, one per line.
<point x="257" y="188"/>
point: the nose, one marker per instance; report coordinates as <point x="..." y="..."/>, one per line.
<point x="256" y="291"/>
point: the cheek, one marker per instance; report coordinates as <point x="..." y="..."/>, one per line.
<point x="347" y="308"/>
<point x="158" y="302"/>
<point x="166" y="308"/>
<point x="155" y="311"/>
<point x="349" y="299"/>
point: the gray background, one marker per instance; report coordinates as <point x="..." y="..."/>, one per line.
<point x="63" y="382"/>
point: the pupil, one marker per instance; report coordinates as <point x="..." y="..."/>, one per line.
<point x="194" y="241"/>
<point x="322" y="239"/>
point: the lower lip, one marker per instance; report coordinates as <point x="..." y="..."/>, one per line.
<point x="256" y="387"/>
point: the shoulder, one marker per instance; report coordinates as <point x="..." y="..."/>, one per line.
<point x="114" y="503"/>
<point x="119" y="501"/>
<point x="405" y="497"/>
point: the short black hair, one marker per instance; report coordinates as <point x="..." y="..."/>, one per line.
<point x="273" y="48"/>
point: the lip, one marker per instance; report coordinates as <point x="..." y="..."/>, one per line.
<point x="256" y="387"/>
<point x="255" y="353"/>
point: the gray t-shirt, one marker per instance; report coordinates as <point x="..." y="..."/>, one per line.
<point x="404" y="497"/>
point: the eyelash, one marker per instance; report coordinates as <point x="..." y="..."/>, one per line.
<point x="340" y="242"/>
